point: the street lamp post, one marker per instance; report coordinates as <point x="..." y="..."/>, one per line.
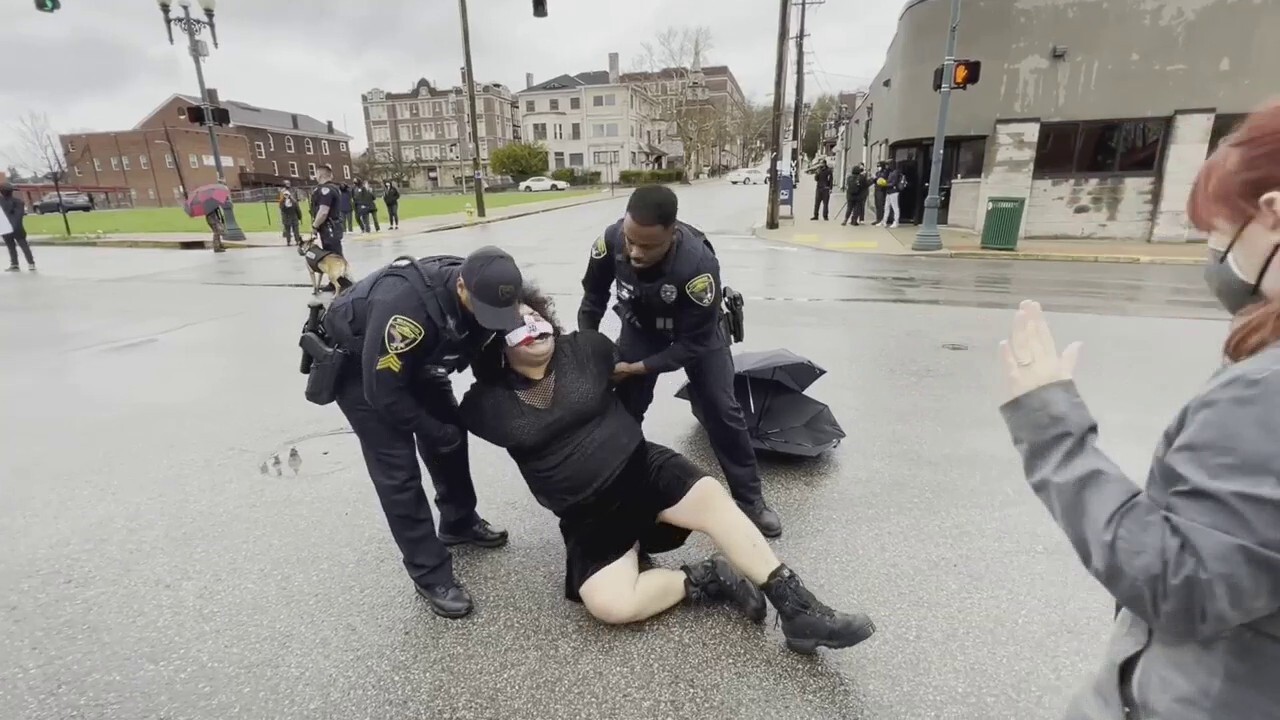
<point x="192" y="27"/>
<point x="471" y="103"/>
<point x="928" y="237"/>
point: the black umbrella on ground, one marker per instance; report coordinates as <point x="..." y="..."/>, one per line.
<point x="780" y="417"/>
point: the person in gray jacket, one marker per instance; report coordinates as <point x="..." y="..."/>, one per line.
<point x="1192" y="558"/>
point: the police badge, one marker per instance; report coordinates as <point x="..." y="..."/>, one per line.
<point x="668" y="294"/>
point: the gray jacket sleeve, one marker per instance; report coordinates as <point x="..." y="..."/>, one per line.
<point x="1205" y="557"/>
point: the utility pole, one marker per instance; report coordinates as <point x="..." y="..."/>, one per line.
<point x="795" y="121"/>
<point x="928" y="237"/>
<point x="779" y="85"/>
<point x="471" y="102"/>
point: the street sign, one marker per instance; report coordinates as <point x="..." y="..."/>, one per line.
<point x="477" y="175"/>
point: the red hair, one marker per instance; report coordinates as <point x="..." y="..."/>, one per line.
<point x="1245" y="167"/>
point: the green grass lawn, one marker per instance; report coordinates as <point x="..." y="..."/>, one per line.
<point x="258" y="217"/>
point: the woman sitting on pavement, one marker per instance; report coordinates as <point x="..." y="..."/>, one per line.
<point x="1191" y="556"/>
<point x="546" y="398"/>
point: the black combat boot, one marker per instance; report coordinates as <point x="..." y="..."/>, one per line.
<point x="715" y="580"/>
<point x="480" y="533"/>
<point x="765" y="519"/>
<point x="806" y="622"/>
<point x="448" y="600"/>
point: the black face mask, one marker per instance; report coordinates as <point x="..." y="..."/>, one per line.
<point x="1233" y="291"/>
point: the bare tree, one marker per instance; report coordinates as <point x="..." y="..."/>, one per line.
<point x="37" y="147"/>
<point x="674" y="61"/>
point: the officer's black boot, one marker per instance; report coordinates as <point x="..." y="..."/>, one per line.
<point x="449" y="600"/>
<point x="715" y="580"/>
<point x="765" y="519"/>
<point x="807" y="623"/>
<point x="480" y="534"/>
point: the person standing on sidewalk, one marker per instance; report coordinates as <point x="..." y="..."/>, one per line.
<point x="855" y="195"/>
<point x="881" y="183"/>
<point x="896" y="183"/>
<point x="15" y="234"/>
<point x="344" y="206"/>
<point x="372" y="208"/>
<point x="823" y="181"/>
<point x="290" y="215"/>
<point x="391" y="196"/>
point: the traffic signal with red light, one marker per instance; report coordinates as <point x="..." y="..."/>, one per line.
<point x="963" y="74"/>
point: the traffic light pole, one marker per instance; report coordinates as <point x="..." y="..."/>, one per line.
<point x="928" y="238"/>
<point x="192" y="27"/>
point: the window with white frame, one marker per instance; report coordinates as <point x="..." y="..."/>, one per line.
<point x="177" y="192"/>
<point x="611" y="130"/>
<point x="324" y="147"/>
<point x="406" y="132"/>
<point x="144" y="162"/>
<point x="124" y="160"/>
<point x="151" y="193"/>
<point x="377" y="112"/>
<point x="133" y="193"/>
<point x="600" y="157"/>
<point x="259" y="150"/>
<point x="346" y="172"/>
<point x="381" y="134"/>
<point x="309" y="147"/>
<point x="288" y="143"/>
<point x="97" y="165"/>
<point x="293" y="169"/>
<point x="115" y="163"/>
<point x="275" y="168"/>
<point x="342" y="147"/>
<point x="484" y="148"/>
<point x="271" y="142"/>
<point x="168" y="160"/>
<point x="78" y="173"/>
<point x="311" y="170"/>
<point x="71" y="146"/>
<point x="558" y="131"/>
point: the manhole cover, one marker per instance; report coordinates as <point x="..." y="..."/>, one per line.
<point x="954" y="346"/>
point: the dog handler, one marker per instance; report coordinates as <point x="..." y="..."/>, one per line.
<point x="326" y="216"/>
<point x="405" y="328"/>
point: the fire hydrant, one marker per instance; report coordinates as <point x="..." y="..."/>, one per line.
<point x="470" y="211"/>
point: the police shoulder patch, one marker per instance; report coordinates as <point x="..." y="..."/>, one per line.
<point x="702" y="289"/>
<point x="401" y="334"/>
<point x="324" y="191"/>
<point x="600" y="248"/>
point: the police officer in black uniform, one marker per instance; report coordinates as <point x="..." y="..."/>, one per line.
<point x="406" y="327"/>
<point x="669" y="299"/>
<point x="326" y="214"/>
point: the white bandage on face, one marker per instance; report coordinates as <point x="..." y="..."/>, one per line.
<point x="533" y="329"/>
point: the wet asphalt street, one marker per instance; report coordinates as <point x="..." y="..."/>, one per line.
<point x="151" y="570"/>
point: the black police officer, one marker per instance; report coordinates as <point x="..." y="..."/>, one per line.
<point x="668" y="286"/>
<point x="326" y="214"/>
<point x="409" y="325"/>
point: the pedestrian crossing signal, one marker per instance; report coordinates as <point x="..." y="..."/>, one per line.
<point x="48" y="5"/>
<point x="964" y="74"/>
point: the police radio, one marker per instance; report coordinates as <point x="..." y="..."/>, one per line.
<point x="731" y="317"/>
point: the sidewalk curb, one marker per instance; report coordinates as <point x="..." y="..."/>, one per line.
<point x="996" y="254"/>
<point x="230" y="245"/>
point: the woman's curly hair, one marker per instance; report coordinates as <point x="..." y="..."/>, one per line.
<point x="490" y="364"/>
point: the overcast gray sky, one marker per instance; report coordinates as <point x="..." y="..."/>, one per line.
<point x="103" y="64"/>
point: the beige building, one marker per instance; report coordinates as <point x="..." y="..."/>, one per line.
<point x="425" y="134"/>
<point x="592" y="122"/>
<point x="1097" y="113"/>
<point x="709" y="101"/>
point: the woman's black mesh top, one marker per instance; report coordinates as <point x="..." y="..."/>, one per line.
<point x="568" y="432"/>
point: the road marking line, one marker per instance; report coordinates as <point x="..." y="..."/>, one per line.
<point x="858" y="245"/>
<point x="807" y="239"/>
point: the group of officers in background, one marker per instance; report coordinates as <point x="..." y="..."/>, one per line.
<point x="355" y="203"/>
<point x="407" y="326"/>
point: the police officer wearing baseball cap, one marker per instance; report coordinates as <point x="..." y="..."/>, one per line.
<point x="405" y="328"/>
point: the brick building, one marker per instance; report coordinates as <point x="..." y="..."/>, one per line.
<point x="424" y="135"/>
<point x="708" y="100"/>
<point x="164" y="152"/>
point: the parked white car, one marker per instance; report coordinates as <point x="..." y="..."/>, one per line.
<point x="749" y="176"/>
<point x="542" y="183"/>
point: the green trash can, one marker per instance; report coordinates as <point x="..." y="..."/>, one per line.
<point x="1004" y="219"/>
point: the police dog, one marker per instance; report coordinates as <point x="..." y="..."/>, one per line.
<point x="324" y="263"/>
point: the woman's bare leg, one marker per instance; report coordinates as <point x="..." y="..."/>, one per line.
<point x="620" y="593"/>
<point x="708" y="508"/>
